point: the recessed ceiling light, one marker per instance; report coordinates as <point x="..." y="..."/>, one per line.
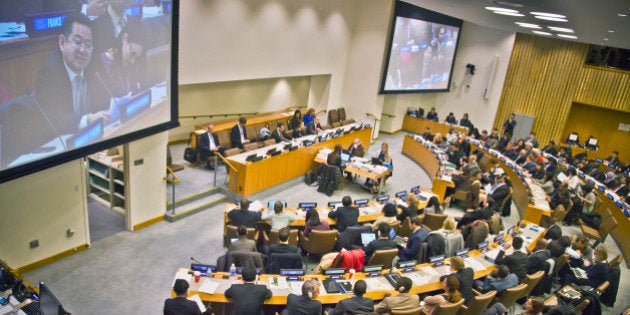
<point x="567" y="36"/>
<point x="509" y="13"/>
<point x="548" y="14"/>
<point x="621" y="14"/>
<point x="542" y="33"/>
<point x="497" y="9"/>
<point x="551" y="18"/>
<point x="611" y="31"/>
<point x="605" y="38"/>
<point x="527" y="25"/>
<point x="561" y="29"/>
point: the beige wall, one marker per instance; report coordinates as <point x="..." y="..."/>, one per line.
<point x="42" y="206"/>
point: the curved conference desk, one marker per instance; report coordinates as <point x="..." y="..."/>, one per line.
<point x="418" y="125"/>
<point x="252" y="177"/>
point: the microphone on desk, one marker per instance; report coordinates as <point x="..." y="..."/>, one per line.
<point x="50" y="124"/>
<point x="107" y="89"/>
<point x="197" y="261"/>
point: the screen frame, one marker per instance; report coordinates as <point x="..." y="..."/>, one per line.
<point x="82" y="152"/>
<point x="410" y="11"/>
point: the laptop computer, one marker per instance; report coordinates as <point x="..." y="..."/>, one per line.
<point x="366" y="238"/>
<point x="345" y="157"/>
<point x="376" y="161"/>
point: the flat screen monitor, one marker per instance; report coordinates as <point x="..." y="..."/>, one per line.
<point x="204" y="269"/>
<point x="592" y="142"/>
<point x="272" y="203"/>
<point x="334" y="204"/>
<point x="334" y="271"/>
<point x="401" y="194"/>
<point x="345" y="157"/>
<point x="307" y="205"/>
<point x="48" y="302"/>
<point x="361" y="202"/>
<point x="44" y="122"/>
<point x="415" y="190"/>
<point x="435" y="259"/>
<point x="292" y="274"/>
<point x="421" y="51"/>
<point x="482" y="245"/>
<point x="499" y="237"/>
<point x="462" y="253"/>
<point x="373" y="268"/>
<point x="573" y="137"/>
<point x="382" y="199"/>
<point x="407" y="263"/>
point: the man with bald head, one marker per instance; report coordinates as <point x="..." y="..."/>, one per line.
<point x="209" y="146"/>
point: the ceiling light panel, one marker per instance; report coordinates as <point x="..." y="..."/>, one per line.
<point x="550" y="18"/>
<point x="542" y="33"/>
<point x="567" y="36"/>
<point x="561" y="29"/>
<point x="498" y="9"/>
<point x="527" y="25"/>
<point x="509" y="13"/>
<point x="548" y="14"/>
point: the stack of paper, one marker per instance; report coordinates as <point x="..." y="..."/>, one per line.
<point x="208" y="286"/>
<point x="195" y="298"/>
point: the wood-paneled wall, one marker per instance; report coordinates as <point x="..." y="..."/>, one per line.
<point x="546" y="76"/>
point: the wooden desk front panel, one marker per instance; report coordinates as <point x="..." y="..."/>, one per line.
<point x="256" y="120"/>
<point x="621" y="234"/>
<point x="421" y="155"/>
<point x="417" y="125"/>
<point x="258" y="176"/>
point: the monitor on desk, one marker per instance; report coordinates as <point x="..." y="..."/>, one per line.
<point x="401" y="195"/>
<point x="462" y="253"/>
<point x="437" y="260"/>
<point x="361" y="202"/>
<point x="334" y="273"/>
<point x="592" y="142"/>
<point x="415" y="190"/>
<point x="345" y="157"/>
<point x="334" y="204"/>
<point x="376" y="161"/>
<point x="482" y="246"/>
<point x="204" y="269"/>
<point x="292" y="274"/>
<point x="307" y="205"/>
<point x="382" y="199"/>
<point x="573" y="137"/>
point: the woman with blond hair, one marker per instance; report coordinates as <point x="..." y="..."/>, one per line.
<point x="411" y="210"/>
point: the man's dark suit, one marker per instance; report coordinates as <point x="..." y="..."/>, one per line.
<point x="180" y="306"/>
<point x="311" y="129"/>
<point x="517" y="262"/>
<point x="413" y="245"/>
<point x="466" y="277"/>
<point x="246" y="218"/>
<point x="354" y="305"/>
<point x="282" y="248"/>
<point x="499" y="193"/>
<point x="556" y="248"/>
<point x="346" y="216"/>
<point x="247" y="298"/>
<point x="378" y="244"/>
<point x="508" y="127"/>
<point x="53" y="92"/>
<point x="280" y="136"/>
<point x="235" y="136"/>
<point x="204" y="146"/>
<point x="537" y="261"/>
<point x="302" y="305"/>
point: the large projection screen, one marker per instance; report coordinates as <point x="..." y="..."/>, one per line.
<point x="79" y="78"/>
<point x="421" y="52"/>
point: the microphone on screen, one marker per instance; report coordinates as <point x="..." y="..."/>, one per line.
<point x="50" y="124"/>
<point x="107" y="89"/>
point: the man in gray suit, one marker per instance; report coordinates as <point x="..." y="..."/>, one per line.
<point x="243" y="243"/>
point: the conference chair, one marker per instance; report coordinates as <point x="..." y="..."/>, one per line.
<point x="405" y="228"/>
<point x="383" y="257"/>
<point x="413" y="311"/>
<point x="602" y="288"/>
<point x="318" y="243"/>
<point x="599" y="235"/>
<point x="506" y="203"/>
<point x="582" y="306"/>
<point x="336" y="124"/>
<point x="531" y="281"/>
<point x="333" y="116"/>
<point x="277" y="261"/>
<point x="509" y="296"/>
<point x="448" y="308"/>
<point x="232" y="151"/>
<point x="169" y="161"/>
<point x="478" y="304"/>
<point x="250" y="146"/>
<point x="273" y="238"/>
<point x="268" y="142"/>
<point x="395" y="226"/>
<point x="614" y="262"/>
<point x="433" y="221"/>
<point x="245" y="259"/>
<point x="272" y="125"/>
<point x="560" y="262"/>
<point x="232" y="232"/>
<point x="252" y="133"/>
<point x="341" y="113"/>
<point x="224" y="138"/>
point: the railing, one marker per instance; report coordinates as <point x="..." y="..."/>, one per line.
<point x="173" y="179"/>
<point x="229" y="165"/>
<point x="219" y="115"/>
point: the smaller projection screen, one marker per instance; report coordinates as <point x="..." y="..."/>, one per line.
<point x="422" y="50"/>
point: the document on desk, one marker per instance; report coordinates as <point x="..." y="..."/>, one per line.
<point x="430" y="271"/>
<point x="208" y="286"/>
<point x="182" y="275"/>
<point x="195" y="298"/>
<point x="296" y="287"/>
<point x="256" y="206"/>
<point x="419" y="279"/>
<point x="377" y="284"/>
<point x="474" y="264"/>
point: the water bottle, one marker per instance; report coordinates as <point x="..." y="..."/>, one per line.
<point x="232" y="271"/>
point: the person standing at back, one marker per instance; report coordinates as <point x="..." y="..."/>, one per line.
<point x="346" y="215"/>
<point x="509" y="124"/>
<point x="248" y="297"/>
<point x="180" y="305"/>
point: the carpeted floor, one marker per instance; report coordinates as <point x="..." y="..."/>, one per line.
<point x="103" y="221"/>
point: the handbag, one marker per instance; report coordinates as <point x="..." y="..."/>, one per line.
<point x="190" y="155"/>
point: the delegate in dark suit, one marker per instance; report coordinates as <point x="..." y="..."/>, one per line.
<point x="243" y="217"/>
<point x="243" y="244"/>
<point x="354" y="305"/>
<point x="282" y="248"/>
<point x="248" y="298"/>
<point x="312" y="127"/>
<point x="378" y="244"/>
<point x="53" y="92"/>
<point x="280" y="135"/>
<point x="235" y="136"/>
<point x="553" y="232"/>
<point x="517" y="262"/>
<point x="205" y="150"/>
<point x="302" y="305"/>
<point x="346" y="216"/>
<point x="466" y="277"/>
<point x="413" y="244"/>
<point x="180" y="306"/>
<point x="536" y="261"/>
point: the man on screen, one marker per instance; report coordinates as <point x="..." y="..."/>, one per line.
<point x="67" y="88"/>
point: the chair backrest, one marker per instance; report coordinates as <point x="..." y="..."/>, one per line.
<point x="333" y="116"/>
<point x="614" y="262"/>
<point x="232" y="231"/>
<point x="478" y="304"/>
<point x="412" y="311"/>
<point x="279" y="261"/>
<point x="342" y="114"/>
<point x="224" y="138"/>
<point x="560" y="262"/>
<point x="582" y="306"/>
<point x="405" y="228"/>
<point x="232" y="151"/>
<point x="395" y="226"/>
<point x="252" y="132"/>
<point x="532" y="280"/>
<point x="250" y="146"/>
<point x="607" y="226"/>
<point x="320" y="242"/>
<point x="383" y="257"/>
<point x="433" y="221"/>
<point x="336" y="124"/>
<point x="448" y="308"/>
<point x="274" y="239"/>
<point x="273" y="125"/>
<point x="507" y="198"/>
<point x="509" y="296"/>
<point x="268" y="142"/>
